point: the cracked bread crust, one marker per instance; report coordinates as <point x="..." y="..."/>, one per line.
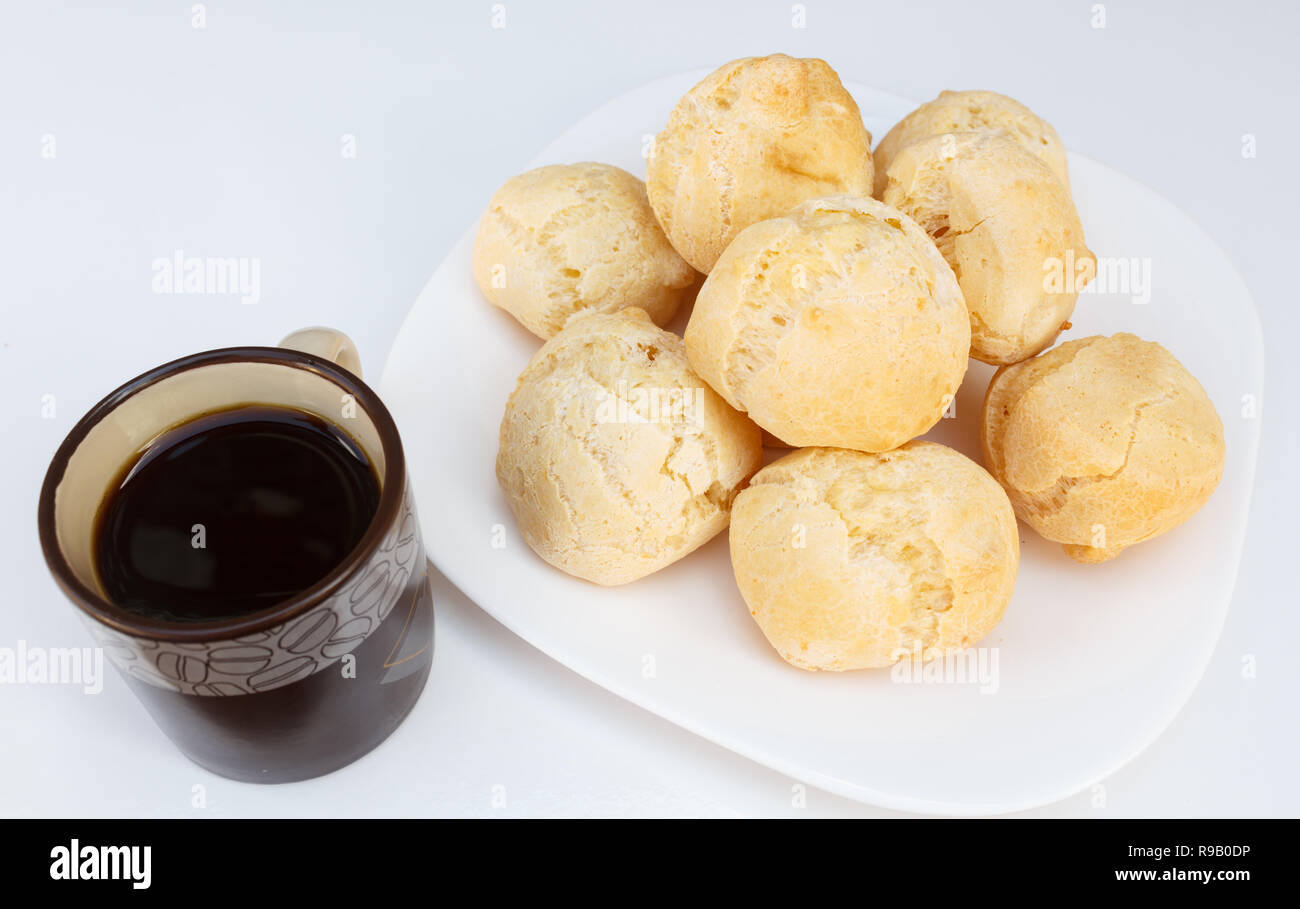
<point x="564" y="239"/>
<point x="849" y="560"/>
<point x="1009" y="230"/>
<point x="838" y="324"/>
<point x="975" y="111"/>
<point x="1102" y="442"/>
<point x="751" y="141"/>
<point x="615" y="458"/>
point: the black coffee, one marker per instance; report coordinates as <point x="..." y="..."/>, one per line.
<point x="233" y="512"/>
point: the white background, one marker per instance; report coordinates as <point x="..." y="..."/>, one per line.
<point x="226" y="141"/>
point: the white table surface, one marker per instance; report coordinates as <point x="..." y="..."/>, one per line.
<point x="226" y="140"/>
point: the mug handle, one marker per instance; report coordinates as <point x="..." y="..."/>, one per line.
<point x="327" y="343"/>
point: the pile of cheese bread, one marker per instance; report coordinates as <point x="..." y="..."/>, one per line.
<point x="837" y="298"/>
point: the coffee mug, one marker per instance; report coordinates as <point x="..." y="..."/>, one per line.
<point x="302" y="687"/>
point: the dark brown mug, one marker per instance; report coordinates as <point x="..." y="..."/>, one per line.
<point x="305" y="686"/>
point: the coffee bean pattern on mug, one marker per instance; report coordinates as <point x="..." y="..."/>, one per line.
<point x="288" y="652"/>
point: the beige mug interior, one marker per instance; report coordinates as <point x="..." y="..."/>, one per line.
<point x="97" y="463"/>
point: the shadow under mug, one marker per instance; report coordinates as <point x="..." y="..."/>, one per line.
<point x="303" y="687"/>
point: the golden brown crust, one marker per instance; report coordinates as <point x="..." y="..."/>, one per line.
<point x="1102" y="442"/>
<point x="850" y="560"/>
<point x="615" y="458"/>
<point x="752" y="140"/>
<point x="974" y="111"/>
<point x="1009" y="230"/>
<point x="564" y="239"/>
<point x="838" y="324"/>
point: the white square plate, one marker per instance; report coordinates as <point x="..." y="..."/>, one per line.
<point x="1093" y="661"/>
